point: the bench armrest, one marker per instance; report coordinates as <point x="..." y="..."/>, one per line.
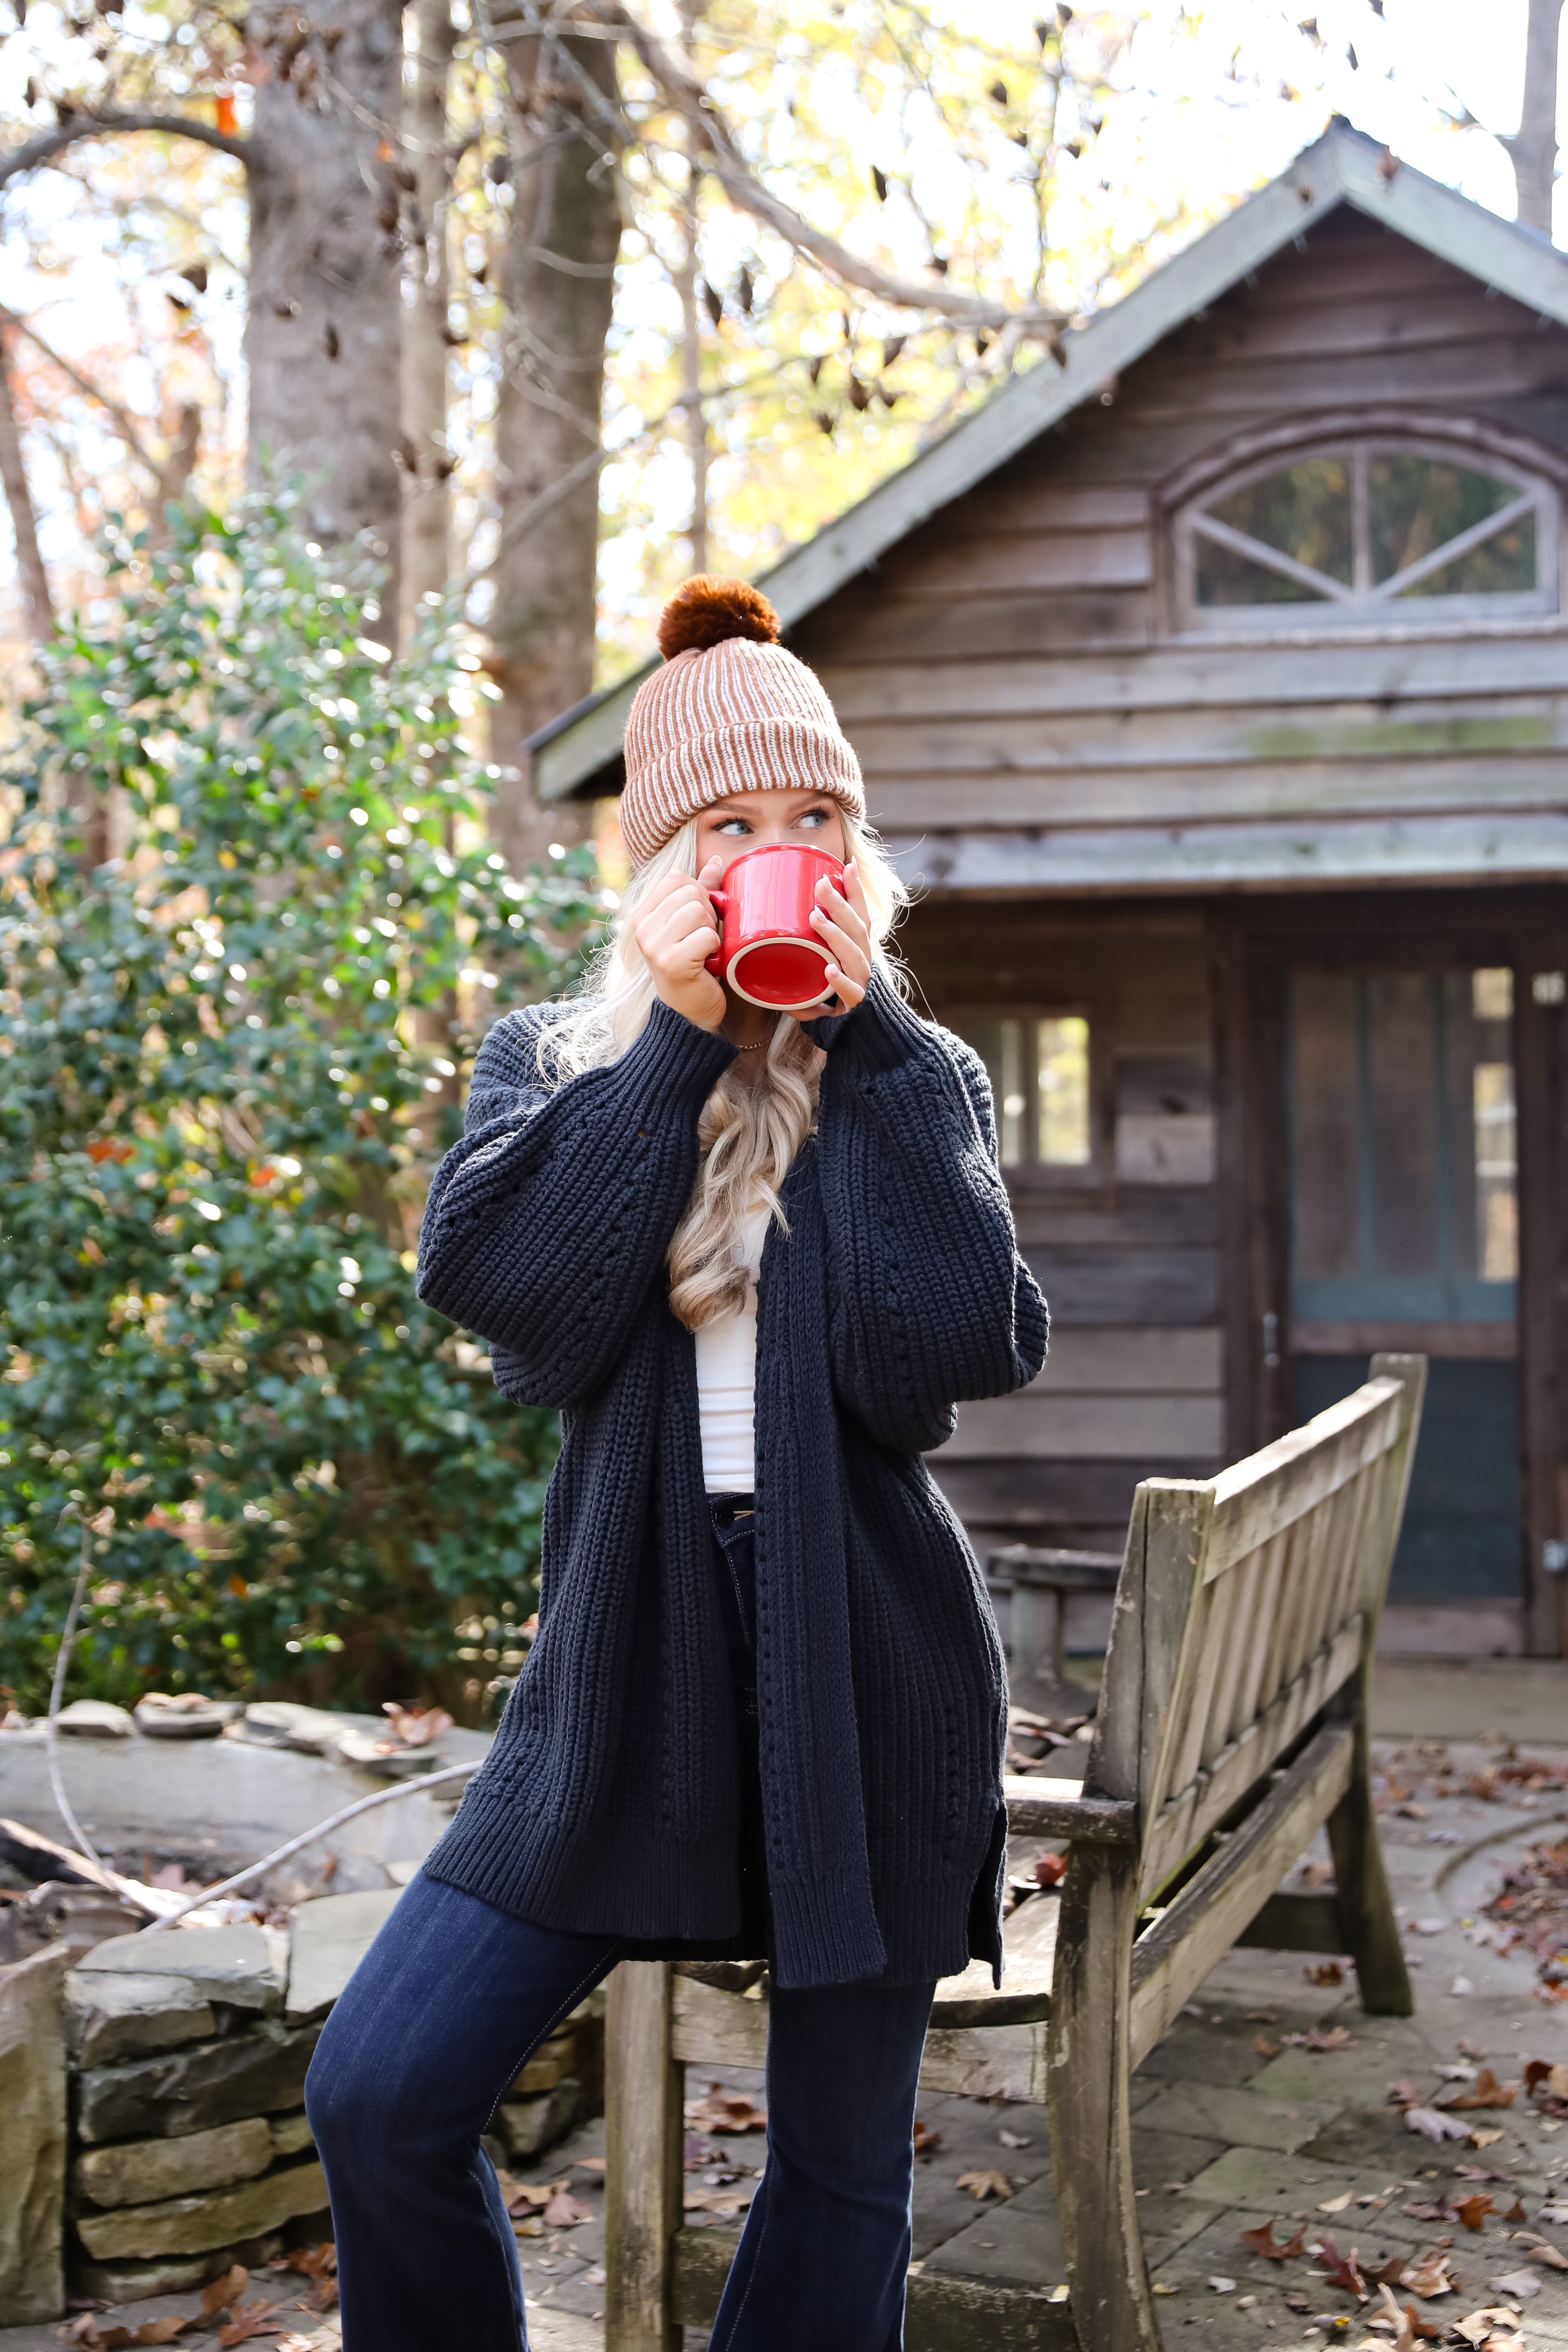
<point x="1038" y="1807"/>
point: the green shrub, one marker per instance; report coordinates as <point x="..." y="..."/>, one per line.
<point x="230" y="1054"/>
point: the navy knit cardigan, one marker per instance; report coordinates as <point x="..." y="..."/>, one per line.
<point x="608" y="1803"/>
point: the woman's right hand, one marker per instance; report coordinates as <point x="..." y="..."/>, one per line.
<point x="677" y="932"/>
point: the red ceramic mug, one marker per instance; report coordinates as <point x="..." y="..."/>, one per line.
<point x="768" y="952"/>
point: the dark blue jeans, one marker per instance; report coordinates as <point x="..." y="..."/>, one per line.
<point x="435" y="2021"/>
<point x="445" y="2008"/>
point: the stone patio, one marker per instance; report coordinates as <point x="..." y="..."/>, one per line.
<point x="1227" y="2135"/>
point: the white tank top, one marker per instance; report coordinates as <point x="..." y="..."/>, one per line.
<point x="727" y="1378"/>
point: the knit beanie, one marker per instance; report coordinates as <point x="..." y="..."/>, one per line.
<point x="730" y="711"/>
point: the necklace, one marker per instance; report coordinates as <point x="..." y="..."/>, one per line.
<point x="757" y="1048"/>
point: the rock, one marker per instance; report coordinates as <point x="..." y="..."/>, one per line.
<point x="188" y="1716"/>
<point x="258" y="2073"/>
<point x="545" y="2068"/>
<point x="193" y="2225"/>
<point x="136" y="2172"/>
<point x="32" y="2138"/>
<point x="331" y="1937"/>
<point x="241" y="1966"/>
<point x="76" y="1917"/>
<point x="282" y="1723"/>
<point x="115" y="2016"/>
<point x="175" y="2274"/>
<point x="374" y="1752"/>
<point x="289" y="2133"/>
<point x="529" y="2125"/>
<point x="94" y="1718"/>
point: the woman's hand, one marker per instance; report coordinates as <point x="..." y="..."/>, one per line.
<point x="843" y="926"/>
<point x="677" y="932"/>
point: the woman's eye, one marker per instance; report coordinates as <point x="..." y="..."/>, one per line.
<point x="733" y="825"/>
<point x="814" y="817"/>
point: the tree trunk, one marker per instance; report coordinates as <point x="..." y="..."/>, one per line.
<point x="1533" y="149"/>
<point x="30" y="571"/>
<point x="427" y="366"/>
<point x="323" y="328"/>
<point x="560" y="261"/>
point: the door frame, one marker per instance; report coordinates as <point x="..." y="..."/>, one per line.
<point x="1254" y="942"/>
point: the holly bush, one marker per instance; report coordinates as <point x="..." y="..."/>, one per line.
<point x="230" y="1054"/>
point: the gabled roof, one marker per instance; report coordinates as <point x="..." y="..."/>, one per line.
<point x="1342" y="167"/>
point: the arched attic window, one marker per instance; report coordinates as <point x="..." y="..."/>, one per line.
<point x="1367" y="529"/>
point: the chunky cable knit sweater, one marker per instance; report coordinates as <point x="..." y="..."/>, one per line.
<point x="609" y="1802"/>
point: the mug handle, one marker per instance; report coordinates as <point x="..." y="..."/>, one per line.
<point x="720" y="907"/>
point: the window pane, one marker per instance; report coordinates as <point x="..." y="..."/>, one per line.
<point x="1221" y="576"/>
<point x="1420" y="503"/>
<point x="1500" y="566"/>
<point x="1303" y="510"/>
<point x="999" y="1044"/>
<point x="1061" y="1062"/>
<point x="1323" y="1054"/>
<point x="1497" y="1210"/>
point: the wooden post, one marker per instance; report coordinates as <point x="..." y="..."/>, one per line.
<point x="1089" y="2106"/>
<point x="645" y="2144"/>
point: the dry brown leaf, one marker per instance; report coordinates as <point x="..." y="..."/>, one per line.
<point x="1429" y="2276"/>
<point x="1484" y="2136"/>
<point x="1488" y="2092"/>
<point x="1473" y="2211"/>
<point x="925" y="2141"/>
<point x="1403" y="2094"/>
<point x="1327" y="1972"/>
<point x="1336" y="2204"/>
<point x="726" y="2111"/>
<point x="1321" y="2037"/>
<point x="1344" y="2270"/>
<point x="224" y="2290"/>
<point x="564" y="2212"/>
<point x="1264" y="2047"/>
<point x="1051" y="1869"/>
<point x="1538" y="2250"/>
<point x="1262" y="2242"/>
<point x="986" y="2184"/>
<point x="248" y="2319"/>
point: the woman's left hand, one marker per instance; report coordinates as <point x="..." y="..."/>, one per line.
<point x="843" y="926"/>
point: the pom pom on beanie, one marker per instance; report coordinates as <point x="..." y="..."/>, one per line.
<point x="730" y="711"/>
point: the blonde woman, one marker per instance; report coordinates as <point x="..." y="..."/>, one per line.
<point x="754" y="1261"/>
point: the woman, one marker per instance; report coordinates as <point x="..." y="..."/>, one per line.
<point x="754" y="1262"/>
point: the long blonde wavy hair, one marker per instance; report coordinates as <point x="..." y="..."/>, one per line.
<point x="748" y="1131"/>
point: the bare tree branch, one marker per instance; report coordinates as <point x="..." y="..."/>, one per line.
<point x="24" y="521"/>
<point x="124" y="423"/>
<point x="711" y="133"/>
<point x="45" y="145"/>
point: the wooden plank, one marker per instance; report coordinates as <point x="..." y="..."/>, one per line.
<point x="1468" y="1342"/>
<point x="1284" y="1481"/>
<point x="1171" y="1958"/>
<point x="1028" y="1963"/>
<point x="1514" y="360"/>
<point x="1265" y="734"/>
<point x="710" y="2028"/>
<point x="1023" y="560"/>
<point x="1108" y="1285"/>
<point x="644" y="2158"/>
<point x="1039" y="1806"/>
<point x="1308" y="855"/>
<point x="1078" y="1428"/>
<point x="1191" y="676"/>
<point x="996" y="2062"/>
<point x="1399" y="792"/>
<point x="1130" y="1217"/>
<point x="1146" y="1359"/>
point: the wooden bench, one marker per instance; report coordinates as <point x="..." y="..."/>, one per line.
<point x="1232" y="1724"/>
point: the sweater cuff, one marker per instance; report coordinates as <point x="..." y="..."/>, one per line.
<point x="673" y="1059"/>
<point x="881" y="1031"/>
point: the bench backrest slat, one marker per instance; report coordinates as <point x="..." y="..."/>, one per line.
<point x="1244" y="1602"/>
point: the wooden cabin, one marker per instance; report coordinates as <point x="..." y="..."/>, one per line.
<point x="1213" y="687"/>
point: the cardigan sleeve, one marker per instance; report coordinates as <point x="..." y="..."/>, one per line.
<point x="549" y="1223"/>
<point x="929" y="1300"/>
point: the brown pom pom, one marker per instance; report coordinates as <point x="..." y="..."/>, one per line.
<point x="707" y="610"/>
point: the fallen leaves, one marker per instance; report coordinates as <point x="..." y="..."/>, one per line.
<point x="228" y="2289"/>
<point x="248" y="2319"/>
<point x="1262" y="2242"/>
<point x="982" y="2185"/>
<point x="1488" y="2093"/>
<point x="1344" y="2270"/>
<point x="925" y="2142"/>
<point x="1519" y="2284"/>
<point x="1429" y="2275"/>
<point x="86" y="2331"/>
<point x="319" y="2266"/>
<point x="1327" y="1972"/>
<point x="1473" y="2211"/>
<point x="726" y="2111"/>
<point x="1479" y="2328"/>
<point x="1264" y="2047"/>
<point x="1051" y="1869"/>
<point x="1321" y="2037"/>
<point x="1433" y="2124"/>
